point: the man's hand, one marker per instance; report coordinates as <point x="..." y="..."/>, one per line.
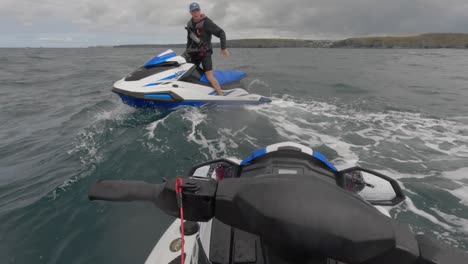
<point x="225" y="52"/>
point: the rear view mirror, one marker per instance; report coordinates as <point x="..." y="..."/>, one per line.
<point x="372" y="186"/>
<point x="215" y="169"/>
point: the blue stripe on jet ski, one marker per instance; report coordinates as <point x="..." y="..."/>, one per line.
<point x="254" y="155"/>
<point x="224" y="93"/>
<point x="158" y="96"/>
<point x="315" y="154"/>
<point x="169" y="77"/>
<point x="322" y="158"/>
<point x="160" y="59"/>
<point x="163" y="79"/>
<point x="152" y="84"/>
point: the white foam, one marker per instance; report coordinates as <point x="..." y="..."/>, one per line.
<point x="258" y="84"/>
<point x="459" y="174"/>
<point x="86" y="143"/>
<point x="154" y="125"/>
<point x="395" y="126"/>
<point x="117" y="113"/>
<point x="279" y="114"/>
<point x="411" y="207"/>
<point x="446" y="237"/>
<point x="161" y="148"/>
<point x="460" y="223"/>
<point x="236" y="137"/>
<point x="461" y="193"/>
<point x="391" y="126"/>
<point x="216" y="146"/>
<point x="196" y="118"/>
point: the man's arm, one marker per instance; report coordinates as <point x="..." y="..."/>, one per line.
<point x="217" y="31"/>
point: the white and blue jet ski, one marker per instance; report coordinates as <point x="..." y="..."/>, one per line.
<point x="169" y="81"/>
<point x="282" y="204"/>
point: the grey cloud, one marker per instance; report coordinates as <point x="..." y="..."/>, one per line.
<point x="247" y="18"/>
<point x="355" y="17"/>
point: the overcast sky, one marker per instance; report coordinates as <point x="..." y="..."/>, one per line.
<point x="50" y="23"/>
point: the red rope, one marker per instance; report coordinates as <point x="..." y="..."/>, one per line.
<point x="178" y="188"/>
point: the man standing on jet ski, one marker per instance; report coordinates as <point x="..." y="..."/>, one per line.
<point x="203" y="27"/>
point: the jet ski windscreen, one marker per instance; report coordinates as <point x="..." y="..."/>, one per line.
<point x="146" y="71"/>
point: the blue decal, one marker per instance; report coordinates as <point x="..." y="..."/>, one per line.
<point x="152" y="84"/>
<point x="160" y="59"/>
<point x="322" y="158"/>
<point x="254" y="155"/>
<point x="224" y="77"/>
<point x="169" y="77"/>
<point x="163" y="79"/>
<point x="224" y="93"/>
<point x="158" y="96"/>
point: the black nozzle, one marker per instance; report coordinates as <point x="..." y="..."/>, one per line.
<point x="124" y="191"/>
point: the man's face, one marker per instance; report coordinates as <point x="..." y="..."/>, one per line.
<point x="195" y="13"/>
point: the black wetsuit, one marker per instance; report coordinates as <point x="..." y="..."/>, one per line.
<point x="204" y="30"/>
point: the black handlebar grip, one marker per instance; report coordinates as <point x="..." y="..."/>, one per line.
<point x="124" y="191"/>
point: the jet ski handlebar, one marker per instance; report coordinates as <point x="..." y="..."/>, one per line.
<point x="124" y="191"/>
<point x="198" y="195"/>
<point x="295" y="215"/>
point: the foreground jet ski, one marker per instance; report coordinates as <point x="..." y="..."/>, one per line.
<point x="168" y="81"/>
<point x="283" y="204"/>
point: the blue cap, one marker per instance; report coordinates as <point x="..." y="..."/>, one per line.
<point x="194" y="6"/>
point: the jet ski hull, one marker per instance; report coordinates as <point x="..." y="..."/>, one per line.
<point x="145" y="103"/>
<point x="168" y="96"/>
<point x="142" y="103"/>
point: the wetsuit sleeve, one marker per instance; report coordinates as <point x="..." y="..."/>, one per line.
<point x="217" y="31"/>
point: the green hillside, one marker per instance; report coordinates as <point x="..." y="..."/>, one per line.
<point x="422" y="41"/>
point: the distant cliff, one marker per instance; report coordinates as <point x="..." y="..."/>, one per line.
<point x="278" y="43"/>
<point x="422" y="41"/>
<point x="250" y="43"/>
